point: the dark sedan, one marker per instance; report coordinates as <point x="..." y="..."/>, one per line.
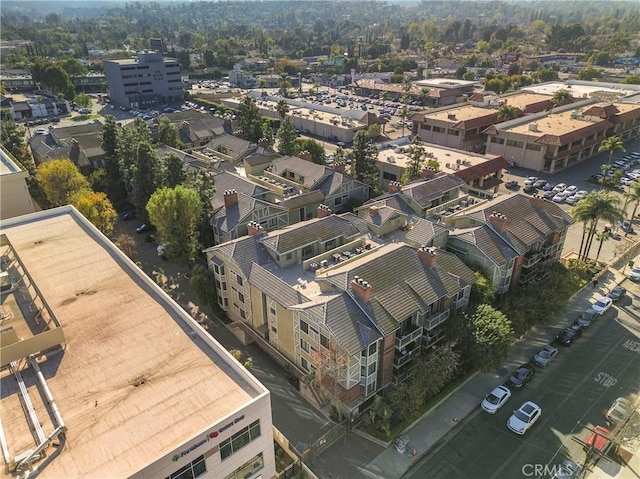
<point x="521" y="376"/>
<point x="568" y="335"/>
<point x="617" y="293"/>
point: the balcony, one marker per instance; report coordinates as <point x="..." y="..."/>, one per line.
<point x="436" y="319"/>
<point x="402" y="376"/>
<point x="531" y="259"/>
<point x="404" y="358"/>
<point x="404" y="341"/>
<point x="433" y="338"/>
<point x="551" y="250"/>
<point x="461" y="303"/>
<point x="527" y="277"/>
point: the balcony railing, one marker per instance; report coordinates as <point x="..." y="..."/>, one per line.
<point x="401" y="377"/>
<point x="402" y="342"/>
<point x="461" y="303"/>
<point x="433" y="338"/>
<point x="434" y="320"/>
<point x="402" y="359"/>
<point x="527" y="277"/>
<point x="531" y="259"/>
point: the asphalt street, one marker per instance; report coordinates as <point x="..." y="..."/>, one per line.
<point x="574" y="392"/>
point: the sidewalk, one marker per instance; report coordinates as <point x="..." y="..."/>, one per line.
<point x="462" y="404"/>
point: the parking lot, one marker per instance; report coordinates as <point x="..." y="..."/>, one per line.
<point x="574" y="392"/>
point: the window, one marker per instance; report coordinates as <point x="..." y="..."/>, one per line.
<point x="272" y="310"/>
<point x="242" y="314"/>
<point x="324" y="341"/>
<point x="389" y="176"/>
<point x="514" y="143"/>
<point x="304" y="345"/>
<point x="304" y="327"/>
<point x="248" y="469"/>
<point x="453" y="132"/>
<point x="274" y="330"/>
<point x="499" y="141"/>
<point x="239" y="440"/>
<point x="304" y="364"/>
<point x="240" y="297"/>
<point x="239" y="279"/>
<point x="426" y="127"/>
<point x="438" y="129"/>
<point x="194" y="469"/>
<point x="532" y="147"/>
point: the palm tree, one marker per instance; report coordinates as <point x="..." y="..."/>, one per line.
<point x="262" y="84"/>
<point x="602" y="237"/>
<point x="561" y="97"/>
<point x="507" y="112"/>
<point x="605" y="207"/>
<point x="612" y="144"/>
<point x="633" y="194"/>
<point x="590" y="210"/>
<point x="404" y="113"/>
<point x="285" y="83"/>
<point x="282" y="108"/>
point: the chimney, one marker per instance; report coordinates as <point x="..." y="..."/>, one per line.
<point x="340" y="168"/>
<point x="536" y="201"/>
<point x="186" y="126"/>
<point x="429" y="173"/>
<point x="373" y="210"/>
<point x="73" y="143"/>
<point x="361" y="288"/>
<point x="393" y="187"/>
<point x="230" y="198"/>
<point x="428" y="255"/>
<point x="305" y="155"/>
<point x="263" y="143"/>
<point x="324" y="211"/>
<point x="254" y="228"/>
<point x="498" y="220"/>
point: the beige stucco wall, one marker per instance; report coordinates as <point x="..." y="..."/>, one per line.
<point x="15" y="199"/>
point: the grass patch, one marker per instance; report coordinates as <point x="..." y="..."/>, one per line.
<point x="85" y="117"/>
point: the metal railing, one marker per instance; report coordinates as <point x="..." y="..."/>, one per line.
<point x="407" y="339"/>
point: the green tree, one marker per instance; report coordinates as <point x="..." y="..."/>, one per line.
<point x="507" y="112"/>
<point x="175" y="213"/>
<point x="48" y="74"/>
<point x="632" y="80"/>
<point x="417" y="156"/>
<point x="483" y="291"/>
<point x="287" y="136"/>
<point x="282" y="108"/>
<point x="602" y="236"/>
<point x="109" y="140"/>
<point x="73" y="67"/>
<point x="12" y="138"/>
<point x="128" y="140"/>
<point x="611" y="144"/>
<point x="146" y="178"/>
<point x="590" y="73"/>
<point x="97" y="208"/>
<point x="561" y="97"/>
<point x="596" y="206"/>
<point x="173" y="170"/>
<point x="202" y="183"/>
<point x="249" y="120"/>
<point x="632" y="196"/>
<point x="203" y="283"/>
<point x="365" y="156"/>
<point x="492" y="333"/>
<point x="60" y="180"/>
<point x="546" y="75"/>
<point x="314" y="148"/>
<point x="168" y="133"/>
<point x="83" y="100"/>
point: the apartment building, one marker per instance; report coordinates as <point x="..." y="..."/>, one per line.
<point x="329" y="298"/>
<point x="145" y="81"/>
<point x="509" y="237"/>
<point x="104" y="375"/>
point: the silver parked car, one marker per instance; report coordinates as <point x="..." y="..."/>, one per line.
<point x="545" y="356"/>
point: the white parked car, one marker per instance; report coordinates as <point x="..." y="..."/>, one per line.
<point x="634" y="274"/>
<point x="495" y="399"/>
<point x="626" y="181"/>
<point x="524" y="417"/>
<point x="559" y="197"/>
<point x="530" y="180"/>
<point x="559" y="187"/>
<point x="571" y="189"/>
<point x="602" y="305"/>
<point x="618" y="411"/>
<point x="572" y="200"/>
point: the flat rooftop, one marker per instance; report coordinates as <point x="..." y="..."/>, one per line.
<point x="137" y="376"/>
<point x="450" y="159"/>
<point x="556" y="124"/>
<point x="583" y="89"/>
<point x="461" y="113"/>
<point x="523" y="99"/>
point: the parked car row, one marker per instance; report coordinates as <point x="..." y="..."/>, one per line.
<point x="558" y="193"/>
<point x="529" y="412"/>
<point x="627" y="165"/>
